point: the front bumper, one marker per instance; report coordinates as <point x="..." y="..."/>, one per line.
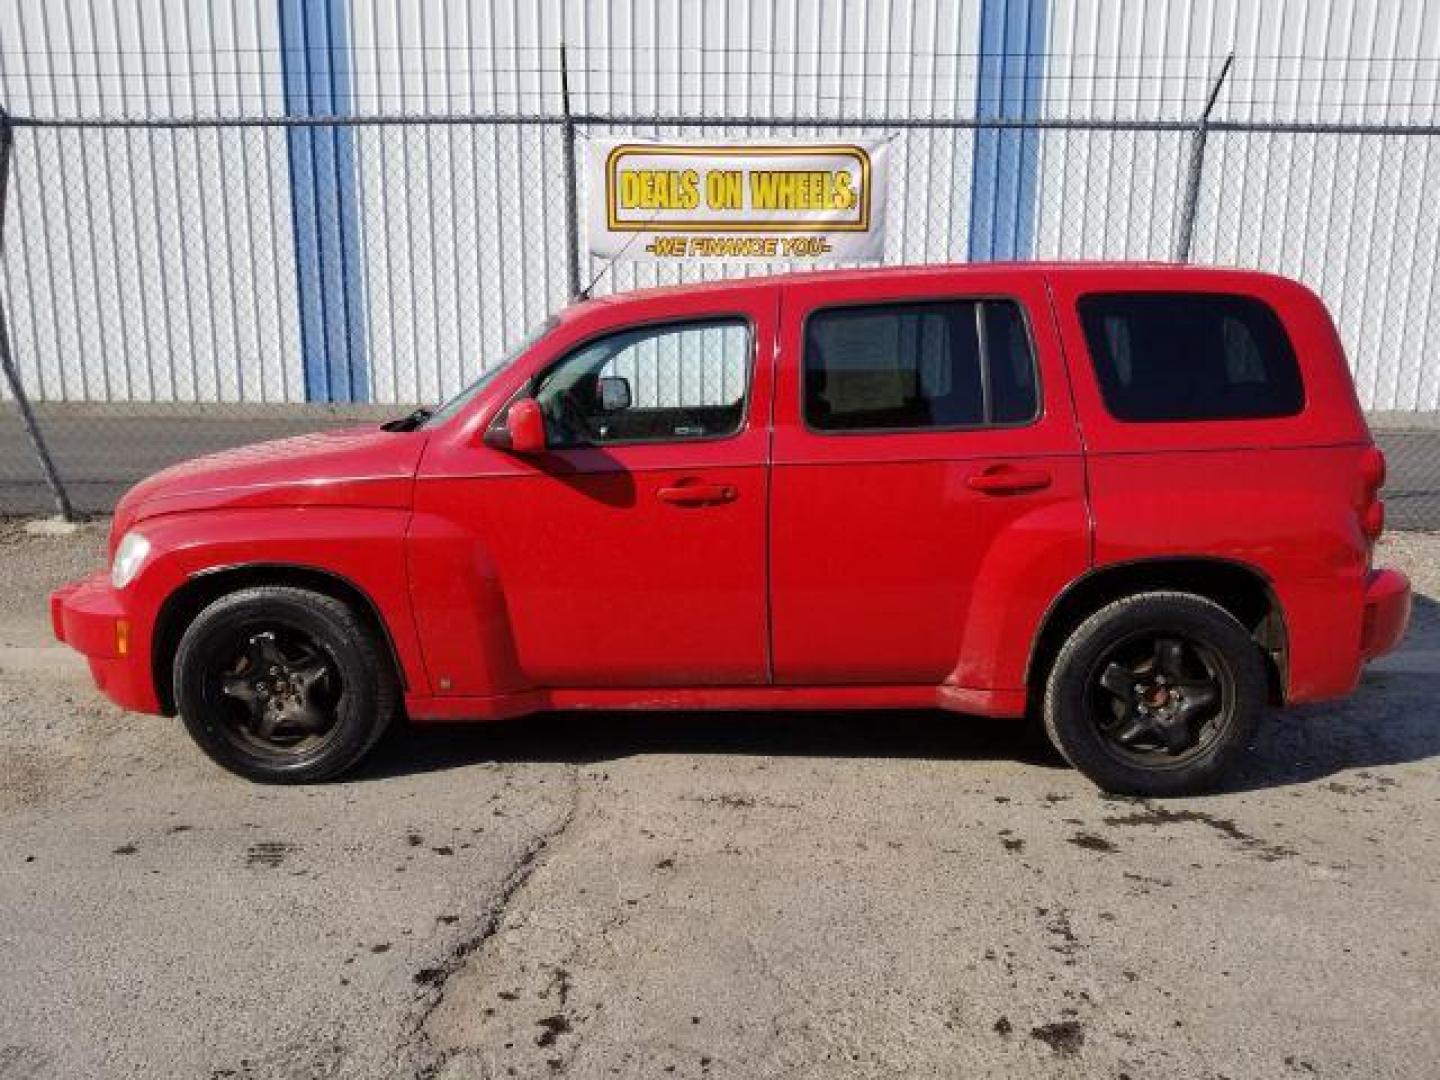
<point x="90" y="616"/>
<point x="1387" y="612"/>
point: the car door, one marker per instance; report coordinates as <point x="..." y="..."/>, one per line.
<point x="631" y="553"/>
<point x="928" y="490"/>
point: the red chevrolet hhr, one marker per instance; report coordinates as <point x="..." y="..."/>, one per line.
<point x="1139" y="502"/>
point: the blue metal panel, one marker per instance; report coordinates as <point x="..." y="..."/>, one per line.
<point x="316" y="65"/>
<point x="1010" y="85"/>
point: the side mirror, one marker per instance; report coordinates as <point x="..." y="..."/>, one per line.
<point x="614" y="392"/>
<point x="523" y="431"/>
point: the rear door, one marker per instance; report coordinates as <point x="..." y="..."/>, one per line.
<point x="927" y="480"/>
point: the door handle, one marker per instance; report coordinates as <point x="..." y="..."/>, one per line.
<point x="1006" y="480"/>
<point x="696" y="494"/>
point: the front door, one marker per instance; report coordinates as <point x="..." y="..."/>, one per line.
<point x="924" y="448"/>
<point x="632" y="552"/>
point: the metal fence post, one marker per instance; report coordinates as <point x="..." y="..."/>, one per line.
<point x="1191" y="204"/>
<point x="7" y="359"/>
<point x="572" y="182"/>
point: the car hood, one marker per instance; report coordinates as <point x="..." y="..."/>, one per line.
<point x="363" y="466"/>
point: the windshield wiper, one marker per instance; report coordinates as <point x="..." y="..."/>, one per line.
<point x="408" y="423"/>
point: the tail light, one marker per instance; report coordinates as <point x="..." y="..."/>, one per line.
<point x="1372" y="478"/>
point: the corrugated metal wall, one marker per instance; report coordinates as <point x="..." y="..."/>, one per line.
<point x="390" y="263"/>
<point x="1351" y="216"/>
<point x="149" y="266"/>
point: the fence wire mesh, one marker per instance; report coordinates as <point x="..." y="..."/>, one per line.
<point x="152" y="271"/>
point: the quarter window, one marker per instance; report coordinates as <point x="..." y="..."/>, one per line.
<point x="666" y="383"/>
<point x="937" y="364"/>
<point x="1190" y="356"/>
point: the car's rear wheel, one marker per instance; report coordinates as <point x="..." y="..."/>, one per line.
<point x="1155" y="694"/>
<point x="283" y="685"/>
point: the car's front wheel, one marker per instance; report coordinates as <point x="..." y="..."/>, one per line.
<point x="1155" y="694"/>
<point x="283" y="685"/>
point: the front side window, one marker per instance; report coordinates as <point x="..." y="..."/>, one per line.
<point x="665" y="383"/>
<point x="936" y="364"/>
<point x="1190" y="356"/>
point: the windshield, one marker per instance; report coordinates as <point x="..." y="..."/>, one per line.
<point x="518" y="349"/>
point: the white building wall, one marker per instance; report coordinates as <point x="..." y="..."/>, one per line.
<point x="161" y="265"/>
<point x="1351" y="216"/>
<point x="148" y="266"/>
<point x="497" y="266"/>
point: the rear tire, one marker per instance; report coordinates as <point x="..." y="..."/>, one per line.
<point x="284" y="685"/>
<point x="1155" y="694"/>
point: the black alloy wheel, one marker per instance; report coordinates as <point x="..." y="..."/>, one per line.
<point x="285" y="688"/>
<point x="284" y="685"/>
<point x="1158" y="693"/>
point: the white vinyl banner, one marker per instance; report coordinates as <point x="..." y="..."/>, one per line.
<point x="736" y="201"/>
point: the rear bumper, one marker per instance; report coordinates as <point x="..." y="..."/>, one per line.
<point x="90" y="616"/>
<point x="1387" y="612"/>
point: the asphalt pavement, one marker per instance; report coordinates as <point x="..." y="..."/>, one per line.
<point x="101" y="452"/>
<point x="773" y="895"/>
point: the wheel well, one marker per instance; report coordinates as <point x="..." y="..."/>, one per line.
<point x="186" y="602"/>
<point x="1240" y="590"/>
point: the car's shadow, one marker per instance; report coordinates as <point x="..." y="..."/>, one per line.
<point x="1393" y="718"/>
<point x="592" y="737"/>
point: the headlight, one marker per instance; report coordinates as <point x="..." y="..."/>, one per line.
<point x="129" y="555"/>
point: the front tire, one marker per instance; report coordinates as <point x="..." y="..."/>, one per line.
<point x="1155" y="694"/>
<point x="283" y="685"/>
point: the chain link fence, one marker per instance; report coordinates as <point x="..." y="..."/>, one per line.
<point x="150" y="281"/>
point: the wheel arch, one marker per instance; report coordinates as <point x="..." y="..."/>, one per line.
<point x="1243" y="590"/>
<point x="206" y="586"/>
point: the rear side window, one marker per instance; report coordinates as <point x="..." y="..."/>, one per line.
<point x="940" y="364"/>
<point x="1190" y="356"/>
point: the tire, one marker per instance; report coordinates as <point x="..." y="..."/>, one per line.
<point x="284" y="685"/>
<point x="1114" y="712"/>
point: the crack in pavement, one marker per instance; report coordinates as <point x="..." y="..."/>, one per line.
<point x="429" y="1060"/>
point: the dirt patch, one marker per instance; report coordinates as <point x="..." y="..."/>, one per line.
<point x="1091" y="842"/>
<point x="1058" y="925"/>
<point x="1065" y="1037"/>
<point x="1154" y="814"/>
<point x="734" y="801"/>
<point x="268" y="853"/>
<point x="552" y="1027"/>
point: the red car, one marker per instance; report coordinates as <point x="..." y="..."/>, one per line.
<point x="1137" y="501"/>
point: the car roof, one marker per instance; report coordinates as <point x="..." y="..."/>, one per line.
<point x="1097" y="272"/>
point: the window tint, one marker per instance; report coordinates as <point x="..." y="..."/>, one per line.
<point x="953" y="363"/>
<point x="1190" y="356"/>
<point x="650" y="384"/>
